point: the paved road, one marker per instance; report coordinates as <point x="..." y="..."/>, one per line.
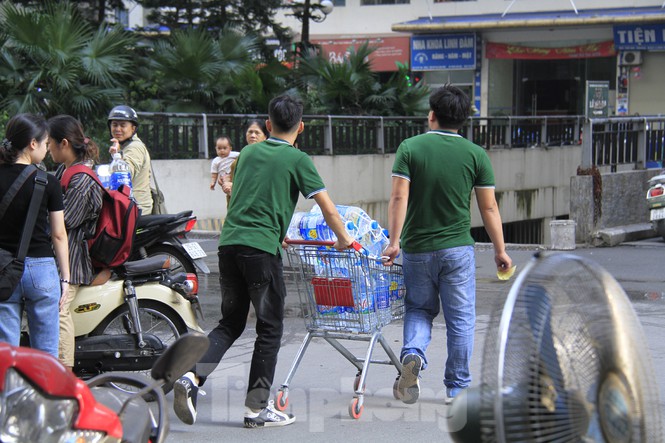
<point x="323" y="384"/>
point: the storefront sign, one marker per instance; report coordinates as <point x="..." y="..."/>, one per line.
<point x="389" y="50"/>
<point x="597" y="99"/>
<point x="440" y="52"/>
<point x="506" y="51"/>
<point x="640" y="37"/>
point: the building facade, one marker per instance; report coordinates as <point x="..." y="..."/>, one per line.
<point x="519" y="57"/>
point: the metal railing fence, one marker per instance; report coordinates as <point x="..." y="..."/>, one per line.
<point x="636" y="142"/>
<point x="193" y="135"/>
<point x="624" y="142"/>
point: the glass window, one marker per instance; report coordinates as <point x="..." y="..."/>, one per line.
<point x="383" y="2"/>
<point x="122" y="16"/>
<point x="339" y="2"/>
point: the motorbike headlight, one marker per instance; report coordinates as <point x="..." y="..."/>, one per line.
<point x="26" y="415"/>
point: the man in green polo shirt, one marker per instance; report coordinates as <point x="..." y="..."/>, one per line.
<point x="269" y="177"/>
<point x="433" y="177"/>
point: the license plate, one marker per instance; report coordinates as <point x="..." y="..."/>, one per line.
<point x="194" y="250"/>
<point x="657" y="214"/>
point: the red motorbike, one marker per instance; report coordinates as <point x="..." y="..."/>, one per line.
<point x="42" y="401"/>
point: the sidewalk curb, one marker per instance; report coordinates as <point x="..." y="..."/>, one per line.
<point x="616" y="235"/>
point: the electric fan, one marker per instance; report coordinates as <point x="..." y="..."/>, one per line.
<point x="568" y="363"/>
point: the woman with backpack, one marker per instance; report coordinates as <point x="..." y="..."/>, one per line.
<point x="39" y="290"/>
<point x="82" y="201"/>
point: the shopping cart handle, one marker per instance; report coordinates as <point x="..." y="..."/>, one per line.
<point x="355" y="245"/>
<point x="288" y="241"/>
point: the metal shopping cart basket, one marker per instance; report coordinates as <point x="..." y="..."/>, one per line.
<point x="345" y="295"/>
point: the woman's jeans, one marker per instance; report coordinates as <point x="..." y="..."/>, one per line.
<point x="248" y="275"/>
<point x="448" y="277"/>
<point x="38" y="293"/>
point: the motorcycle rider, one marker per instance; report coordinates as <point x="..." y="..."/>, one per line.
<point x="123" y="122"/>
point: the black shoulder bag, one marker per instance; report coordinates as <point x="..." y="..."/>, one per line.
<point x="11" y="268"/>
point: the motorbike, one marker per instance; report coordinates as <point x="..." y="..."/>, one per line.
<point x="656" y="202"/>
<point x="127" y="322"/>
<point x="42" y="401"/>
<point x="167" y="234"/>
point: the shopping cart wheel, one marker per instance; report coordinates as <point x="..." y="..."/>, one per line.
<point x="356" y="408"/>
<point x="356" y="383"/>
<point x="282" y="399"/>
<point x="396" y="393"/>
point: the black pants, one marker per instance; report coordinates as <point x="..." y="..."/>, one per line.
<point x="249" y="275"/>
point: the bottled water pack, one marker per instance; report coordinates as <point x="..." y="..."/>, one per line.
<point x="373" y="291"/>
<point x="366" y="231"/>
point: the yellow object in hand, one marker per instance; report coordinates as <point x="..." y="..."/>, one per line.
<point x="505" y="275"/>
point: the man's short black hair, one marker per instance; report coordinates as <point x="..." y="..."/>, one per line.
<point x="451" y="107"/>
<point x="285" y="112"/>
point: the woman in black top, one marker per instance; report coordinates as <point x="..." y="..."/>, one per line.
<point x="26" y="143"/>
<point x="83" y="202"/>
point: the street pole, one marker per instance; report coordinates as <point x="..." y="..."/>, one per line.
<point x="304" y="34"/>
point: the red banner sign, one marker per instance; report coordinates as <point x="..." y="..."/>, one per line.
<point x="388" y="50"/>
<point x="502" y="50"/>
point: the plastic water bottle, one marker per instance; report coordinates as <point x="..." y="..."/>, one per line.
<point x="366" y="306"/>
<point x="119" y="172"/>
<point x="382" y="293"/>
<point x="313" y="227"/>
<point x="104" y="175"/>
<point x="293" y="231"/>
<point x="363" y="229"/>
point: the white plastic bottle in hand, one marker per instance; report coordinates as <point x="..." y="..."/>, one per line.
<point x="119" y="172"/>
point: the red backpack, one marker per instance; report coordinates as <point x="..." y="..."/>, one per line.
<point x="112" y="242"/>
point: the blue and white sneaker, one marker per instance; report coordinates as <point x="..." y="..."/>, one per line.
<point x="267" y="417"/>
<point x="185" y="391"/>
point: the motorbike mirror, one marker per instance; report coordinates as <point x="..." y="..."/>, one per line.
<point x="180" y="357"/>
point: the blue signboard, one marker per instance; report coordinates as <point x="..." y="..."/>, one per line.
<point x="445" y="51"/>
<point x="640" y="37"/>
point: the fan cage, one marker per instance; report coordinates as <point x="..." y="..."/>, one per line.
<point x="567" y="332"/>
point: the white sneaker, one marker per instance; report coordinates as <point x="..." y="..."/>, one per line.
<point x="267" y="417"/>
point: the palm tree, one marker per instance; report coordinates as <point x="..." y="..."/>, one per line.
<point x="199" y="72"/>
<point x="351" y="87"/>
<point x="337" y="88"/>
<point x="408" y="99"/>
<point x="52" y="61"/>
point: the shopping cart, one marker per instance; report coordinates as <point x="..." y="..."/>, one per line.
<point x="345" y="295"/>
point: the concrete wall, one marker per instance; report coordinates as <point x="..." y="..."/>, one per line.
<point x="531" y="183"/>
<point x="622" y="201"/>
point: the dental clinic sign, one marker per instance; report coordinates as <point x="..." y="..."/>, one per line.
<point x="445" y="51"/>
<point x="640" y="37"/>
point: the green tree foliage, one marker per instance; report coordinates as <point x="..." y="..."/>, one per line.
<point x="351" y="87"/>
<point x="95" y="11"/>
<point x="254" y="17"/>
<point x="199" y="72"/>
<point x="52" y="61"/>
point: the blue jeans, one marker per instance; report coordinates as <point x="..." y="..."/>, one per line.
<point x="38" y="293"/>
<point x="448" y="277"/>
